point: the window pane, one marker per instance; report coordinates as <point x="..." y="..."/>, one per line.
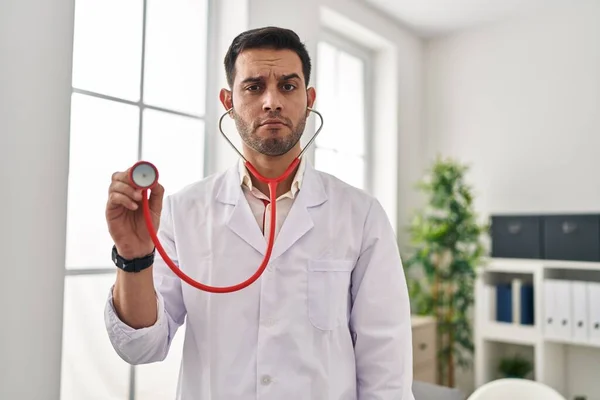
<point x="351" y="99"/>
<point x="91" y="369"/>
<point x="176" y="54"/>
<point x="348" y="168"/>
<point x="341" y="98"/>
<point x="158" y="381"/>
<point x="326" y="102"/>
<point x="175" y="145"/>
<point x="104" y="139"/>
<point x="107" y="50"/>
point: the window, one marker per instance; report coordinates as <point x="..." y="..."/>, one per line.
<point x="342" y="148"/>
<point x="139" y="76"/>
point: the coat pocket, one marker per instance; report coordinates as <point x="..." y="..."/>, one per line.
<point x="328" y="291"/>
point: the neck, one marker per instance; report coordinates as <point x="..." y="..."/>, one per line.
<point x="272" y="167"/>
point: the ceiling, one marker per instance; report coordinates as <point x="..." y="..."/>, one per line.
<point x="430" y="18"/>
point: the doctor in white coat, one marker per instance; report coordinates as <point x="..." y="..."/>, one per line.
<point x="329" y="318"/>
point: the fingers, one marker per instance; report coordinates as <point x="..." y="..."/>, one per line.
<point x="156" y="198"/>
<point x="122" y="193"/>
<point x="116" y="199"/>
<point x="121" y="176"/>
<point x="126" y="189"/>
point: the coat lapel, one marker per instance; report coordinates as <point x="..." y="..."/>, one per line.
<point x="299" y="220"/>
<point x="297" y="224"/>
<point x="241" y="220"/>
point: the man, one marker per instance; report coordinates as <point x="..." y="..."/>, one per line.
<point x="328" y="319"/>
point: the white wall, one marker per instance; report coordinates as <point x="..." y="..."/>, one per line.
<point x="520" y="101"/>
<point x="35" y="93"/>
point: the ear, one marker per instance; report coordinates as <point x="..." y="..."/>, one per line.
<point x="226" y="98"/>
<point x="311" y="96"/>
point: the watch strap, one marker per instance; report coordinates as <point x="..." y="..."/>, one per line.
<point x="133" y="265"/>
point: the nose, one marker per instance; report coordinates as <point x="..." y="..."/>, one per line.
<point x="272" y="100"/>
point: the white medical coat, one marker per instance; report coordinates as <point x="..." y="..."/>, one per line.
<point x="329" y="319"/>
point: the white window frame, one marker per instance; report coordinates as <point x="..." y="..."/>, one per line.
<point x="366" y="56"/>
<point x="103" y="270"/>
<point x="143" y="106"/>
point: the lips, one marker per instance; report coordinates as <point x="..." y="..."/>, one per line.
<point x="273" y="122"/>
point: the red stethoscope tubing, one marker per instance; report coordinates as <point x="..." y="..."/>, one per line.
<point x="272" y="182"/>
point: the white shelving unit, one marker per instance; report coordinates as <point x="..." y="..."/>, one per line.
<point x="571" y="366"/>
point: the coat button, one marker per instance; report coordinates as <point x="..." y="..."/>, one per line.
<point x="266" y="380"/>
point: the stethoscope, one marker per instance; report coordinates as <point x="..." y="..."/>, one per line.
<point x="144" y="176"/>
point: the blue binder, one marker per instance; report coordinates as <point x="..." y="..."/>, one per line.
<point x="504" y="303"/>
<point x="527" y="317"/>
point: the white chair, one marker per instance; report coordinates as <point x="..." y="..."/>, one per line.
<point x="515" y="389"/>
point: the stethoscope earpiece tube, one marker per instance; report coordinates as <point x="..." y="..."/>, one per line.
<point x="226" y="113"/>
<point x="144" y="175"/>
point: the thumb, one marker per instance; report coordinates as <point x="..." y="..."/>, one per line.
<point x="155" y="201"/>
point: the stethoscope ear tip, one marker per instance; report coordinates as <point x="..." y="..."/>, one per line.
<point x="143" y="175"/>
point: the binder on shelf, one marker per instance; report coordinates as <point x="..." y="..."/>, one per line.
<point x="593" y="308"/>
<point x="557" y="306"/>
<point x="550" y="316"/>
<point x="516" y="300"/>
<point x="527" y="316"/>
<point x="504" y="308"/>
<point x="579" y="311"/>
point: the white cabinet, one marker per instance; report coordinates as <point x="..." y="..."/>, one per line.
<point x="424" y="334"/>
<point x="565" y="336"/>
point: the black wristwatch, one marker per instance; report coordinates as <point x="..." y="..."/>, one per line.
<point x="135" y="265"/>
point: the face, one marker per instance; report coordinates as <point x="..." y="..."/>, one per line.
<point x="269" y="99"/>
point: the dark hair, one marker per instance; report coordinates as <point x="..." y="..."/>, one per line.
<point x="266" y="38"/>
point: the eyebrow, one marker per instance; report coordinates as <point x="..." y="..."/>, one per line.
<point x="257" y="79"/>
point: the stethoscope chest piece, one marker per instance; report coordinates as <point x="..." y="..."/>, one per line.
<point x="144" y="175"/>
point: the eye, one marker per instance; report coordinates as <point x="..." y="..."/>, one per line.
<point x="253" y="88"/>
<point x="288" y="87"/>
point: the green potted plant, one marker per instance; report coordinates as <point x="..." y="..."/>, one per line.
<point x="446" y="249"/>
<point x="514" y="367"/>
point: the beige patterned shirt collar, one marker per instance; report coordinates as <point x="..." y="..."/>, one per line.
<point x="296" y="183"/>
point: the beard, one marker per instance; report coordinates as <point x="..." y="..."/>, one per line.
<point x="270" y="146"/>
